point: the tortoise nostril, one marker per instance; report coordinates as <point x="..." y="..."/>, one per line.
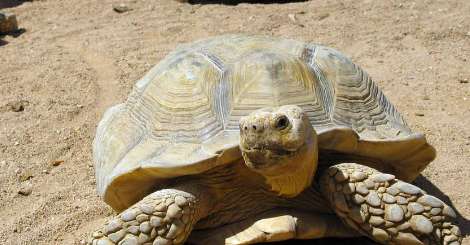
<point x="246" y="128"/>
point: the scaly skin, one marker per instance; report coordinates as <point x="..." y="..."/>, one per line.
<point x="386" y="209"/>
<point x="164" y="217"/>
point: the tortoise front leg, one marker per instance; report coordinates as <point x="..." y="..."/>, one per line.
<point x="386" y="209"/>
<point x="164" y="217"/>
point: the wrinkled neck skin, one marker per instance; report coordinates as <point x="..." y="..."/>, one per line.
<point x="285" y="154"/>
<point x="298" y="173"/>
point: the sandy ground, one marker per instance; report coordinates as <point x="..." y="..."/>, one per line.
<point x="78" y="57"/>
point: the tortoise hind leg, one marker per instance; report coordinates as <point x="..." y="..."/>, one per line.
<point x="163" y="217"/>
<point x="386" y="209"/>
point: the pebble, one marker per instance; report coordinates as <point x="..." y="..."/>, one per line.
<point x="17" y="106"/>
<point x="121" y="8"/>
<point x="56" y="163"/>
<point x="421" y="224"/>
<point x="394" y="213"/>
<point x="415" y="208"/>
<point x="463" y="80"/>
<point x="373" y="199"/>
<point x="25" y="190"/>
<point x="419" y="114"/>
<point x="430" y="201"/>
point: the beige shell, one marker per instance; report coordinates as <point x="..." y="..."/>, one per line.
<point x="182" y="117"/>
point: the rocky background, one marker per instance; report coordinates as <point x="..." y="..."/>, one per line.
<point x="70" y="60"/>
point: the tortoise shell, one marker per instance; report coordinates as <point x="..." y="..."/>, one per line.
<point x="182" y="117"/>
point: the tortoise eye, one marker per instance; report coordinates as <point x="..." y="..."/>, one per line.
<point x="282" y="122"/>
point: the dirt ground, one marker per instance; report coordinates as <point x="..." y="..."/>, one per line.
<point x="75" y="58"/>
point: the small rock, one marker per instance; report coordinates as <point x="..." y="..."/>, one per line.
<point x="419" y="114"/>
<point x="121" y="8"/>
<point x="25" y="190"/>
<point x="56" y="163"/>
<point x="8" y="23"/>
<point x="25" y="175"/>
<point x="17" y="106"/>
<point x="323" y="16"/>
<point x="463" y="80"/>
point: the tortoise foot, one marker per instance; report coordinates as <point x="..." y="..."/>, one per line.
<point x="164" y="217"/>
<point x="386" y="209"/>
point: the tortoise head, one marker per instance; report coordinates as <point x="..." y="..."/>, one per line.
<point x="280" y="144"/>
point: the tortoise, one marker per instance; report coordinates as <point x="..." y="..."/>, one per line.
<point x="245" y="139"/>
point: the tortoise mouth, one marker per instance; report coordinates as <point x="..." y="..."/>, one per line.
<point x="262" y="157"/>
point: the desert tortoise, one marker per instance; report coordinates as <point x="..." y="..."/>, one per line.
<point x="247" y="139"/>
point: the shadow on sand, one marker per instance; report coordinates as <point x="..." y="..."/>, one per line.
<point x="10" y="3"/>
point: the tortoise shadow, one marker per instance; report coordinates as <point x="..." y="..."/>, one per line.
<point x="236" y="2"/>
<point x="11" y="3"/>
<point x="432" y="189"/>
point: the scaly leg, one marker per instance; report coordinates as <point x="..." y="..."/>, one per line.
<point x="386" y="209"/>
<point x="274" y="225"/>
<point x="165" y="217"/>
